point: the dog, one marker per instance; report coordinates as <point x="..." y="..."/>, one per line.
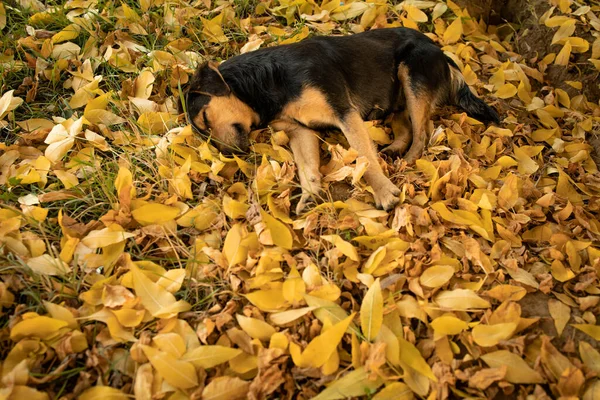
<point x="332" y="83"/>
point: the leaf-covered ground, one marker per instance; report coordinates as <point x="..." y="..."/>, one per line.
<point x="136" y="261"/>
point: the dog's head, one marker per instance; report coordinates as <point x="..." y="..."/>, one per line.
<point x="214" y="110"/>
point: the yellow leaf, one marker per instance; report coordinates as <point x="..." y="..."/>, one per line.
<point x="592" y="391"/>
<point x="2" y="16"/>
<point x="328" y="291"/>
<point x="412" y="357"/>
<point x="557" y="21"/>
<point x="234" y="209"/>
<point x="566" y="29"/>
<point x="591" y="330"/>
<point x="349" y="11"/>
<point x="563" y="56"/>
<point x="48" y="265"/>
<point x="371" y="311"/>
<point x="154" y="213"/>
<point x="285" y="317"/>
<point x="157" y="122"/>
<point x="142" y="87"/>
<point x="453" y="32"/>
<point x="70" y="32"/>
<point x="448" y="325"/>
<point x="345" y="247"/>
<point x="328" y="311"/>
<point x="415" y="14"/>
<point x="201" y="217"/>
<point x="280" y="234"/>
<point x="115" y="328"/>
<point x="392" y="348"/>
<point x="210" y="356"/>
<point x="171" y="343"/>
<point x="213" y="31"/>
<point x="436" y="276"/>
<point x="226" y="388"/>
<point x="158" y="301"/>
<point x="566" y="190"/>
<point x="518" y="371"/>
<point x="503" y="293"/>
<point x="297" y="37"/>
<point x="354" y="384"/>
<point x="180" y="374"/>
<point x="578" y="45"/>
<point x="506" y="91"/>
<point x="322" y="347"/>
<point x="491" y="335"/>
<point x="172" y="280"/>
<point x="61" y="313"/>
<point x="105" y="237"/>
<point x="460" y="299"/>
<point x="8" y="103"/>
<point x="36" y="326"/>
<point x="470" y="76"/>
<point x="232" y="250"/>
<point x="104" y="393"/>
<point x="438" y="10"/>
<point x="561" y="313"/>
<point x="590" y="356"/>
<point x="374" y="260"/>
<point x="595" y="62"/>
<point x="255" y="328"/>
<point x="294" y="288"/>
<point x="268" y="300"/>
<point x="395" y="390"/>
<point x="509" y="192"/>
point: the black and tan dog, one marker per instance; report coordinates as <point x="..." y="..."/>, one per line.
<point x="328" y="83"/>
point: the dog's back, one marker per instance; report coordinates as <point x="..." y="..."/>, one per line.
<point x="361" y="65"/>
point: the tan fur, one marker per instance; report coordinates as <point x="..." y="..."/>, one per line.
<point x="304" y="143"/>
<point x="402" y="129"/>
<point x="456" y="81"/>
<point x="224" y="111"/>
<point x="385" y="192"/>
<point x="420" y="109"/>
<point x="310" y="108"/>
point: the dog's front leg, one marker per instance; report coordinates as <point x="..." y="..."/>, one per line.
<point x="304" y="143"/>
<point x="386" y="193"/>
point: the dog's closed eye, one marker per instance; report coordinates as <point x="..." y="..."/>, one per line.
<point x="207" y="127"/>
<point x="239" y="129"/>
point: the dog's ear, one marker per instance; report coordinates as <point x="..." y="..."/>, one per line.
<point x="208" y="81"/>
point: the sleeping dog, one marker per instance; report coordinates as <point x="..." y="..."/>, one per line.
<point x="326" y="83"/>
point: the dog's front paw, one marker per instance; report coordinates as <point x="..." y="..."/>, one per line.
<point x="305" y="200"/>
<point x="386" y="195"/>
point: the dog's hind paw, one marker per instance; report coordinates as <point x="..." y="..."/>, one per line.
<point x="396" y="148"/>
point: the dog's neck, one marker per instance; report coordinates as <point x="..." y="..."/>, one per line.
<point x="264" y="86"/>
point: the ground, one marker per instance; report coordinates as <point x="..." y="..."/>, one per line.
<point x="137" y="261"/>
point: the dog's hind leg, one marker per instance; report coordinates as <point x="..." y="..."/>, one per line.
<point x="420" y="103"/>
<point x="386" y="193"/>
<point x="304" y="143"/>
<point x="402" y="133"/>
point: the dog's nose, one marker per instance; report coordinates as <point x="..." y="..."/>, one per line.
<point x="243" y="144"/>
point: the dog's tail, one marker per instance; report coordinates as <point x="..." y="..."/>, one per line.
<point x="461" y="95"/>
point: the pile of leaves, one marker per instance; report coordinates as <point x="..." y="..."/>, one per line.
<point x="138" y="261"/>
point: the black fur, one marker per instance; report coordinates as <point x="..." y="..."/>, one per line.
<point x="362" y="66"/>
<point x="472" y="104"/>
